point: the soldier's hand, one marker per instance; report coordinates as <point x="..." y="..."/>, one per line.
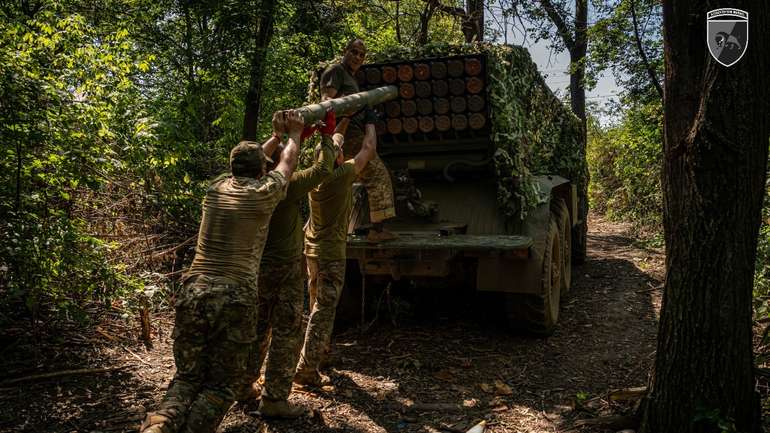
<point x="307" y="132"/>
<point x="294" y="122"/>
<point x="279" y="122"/>
<point x="370" y="116"/>
<point x="329" y="123"/>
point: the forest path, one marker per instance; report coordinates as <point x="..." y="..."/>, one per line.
<point x="467" y="369"/>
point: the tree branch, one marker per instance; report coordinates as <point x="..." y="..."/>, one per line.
<point x="650" y="70"/>
<point x="455" y="11"/>
<point x="561" y="25"/>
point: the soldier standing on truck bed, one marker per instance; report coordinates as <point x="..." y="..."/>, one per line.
<point x="282" y="284"/>
<point x="336" y="81"/>
<point x="216" y="313"/>
<point x="325" y="243"/>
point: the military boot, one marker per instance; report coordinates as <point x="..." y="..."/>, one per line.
<point x="280" y="409"/>
<point x="312" y="378"/>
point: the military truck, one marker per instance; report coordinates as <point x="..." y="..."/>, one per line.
<point x="469" y="142"/>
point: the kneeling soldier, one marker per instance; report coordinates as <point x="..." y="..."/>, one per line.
<point x="216" y="313"/>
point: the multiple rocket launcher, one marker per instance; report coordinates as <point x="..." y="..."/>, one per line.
<point x="436" y="96"/>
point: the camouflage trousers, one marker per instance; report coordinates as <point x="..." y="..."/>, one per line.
<point x="379" y="189"/>
<point x="279" y="327"/>
<point x="325" y="279"/>
<point x="214" y="335"/>
<point x="375" y="178"/>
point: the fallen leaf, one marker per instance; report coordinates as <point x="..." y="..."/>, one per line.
<point x="486" y="388"/>
<point x="471" y="402"/>
<point x="445" y="375"/>
<point x="502" y="389"/>
<point x="327" y="388"/>
<point x="496" y="401"/>
<point x="500" y="408"/>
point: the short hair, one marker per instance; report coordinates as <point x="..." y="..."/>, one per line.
<point x="247" y="160"/>
<point x="353" y="41"/>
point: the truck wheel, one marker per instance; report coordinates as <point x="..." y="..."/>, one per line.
<point x="539" y="313"/>
<point x="559" y="209"/>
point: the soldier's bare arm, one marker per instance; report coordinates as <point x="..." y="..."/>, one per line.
<point x="368" y="148"/>
<point x="328" y="93"/>
<point x="342" y="125"/>
<point x="279" y="127"/>
<point x="294" y="125"/>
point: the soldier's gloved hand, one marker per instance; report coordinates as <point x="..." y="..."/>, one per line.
<point x="330" y="122"/>
<point x="307" y="132"/>
<point x="370" y="116"/>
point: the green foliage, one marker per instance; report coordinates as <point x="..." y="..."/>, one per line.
<point x="713" y="418"/>
<point x="625" y="165"/>
<point x="762" y="268"/>
<point x="64" y="89"/>
<point x="115" y="115"/>
<point x="614" y="45"/>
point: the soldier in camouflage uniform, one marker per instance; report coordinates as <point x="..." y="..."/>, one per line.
<point x="282" y="284"/>
<point x="325" y="240"/>
<point x="216" y="313"/>
<point x="336" y="81"/>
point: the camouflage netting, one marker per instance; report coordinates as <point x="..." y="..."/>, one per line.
<point x="533" y="131"/>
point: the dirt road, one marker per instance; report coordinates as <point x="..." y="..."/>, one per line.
<point x="431" y="372"/>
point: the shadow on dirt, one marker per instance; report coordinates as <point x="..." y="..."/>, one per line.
<point x="430" y="360"/>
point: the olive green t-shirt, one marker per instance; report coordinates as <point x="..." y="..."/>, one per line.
<point x="330" y="206"/>
<point x="337" y="77"/>
<point x="284" y="239"/>
<point x="236" y="212"/>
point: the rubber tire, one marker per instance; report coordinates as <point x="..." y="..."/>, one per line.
<point x="559" y="208"/>
<point x="538" y="314"/>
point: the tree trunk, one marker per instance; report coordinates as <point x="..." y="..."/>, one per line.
<point x="577" y="54"/>
<point x="645" y="61"/>
<point x="475" y="12"/>
<point x="715" y="153"/>
<point x="254" y="95"/>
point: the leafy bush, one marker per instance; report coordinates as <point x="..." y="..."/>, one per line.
<point x="625" y="165"/>
<point x="762" y="269"/>
<point x="64" y="88"/>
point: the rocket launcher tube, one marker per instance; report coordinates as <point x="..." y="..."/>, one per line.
<point x="348" y="105"/>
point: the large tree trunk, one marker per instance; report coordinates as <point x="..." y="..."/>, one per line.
<point x="254" y="95"/>
<point x="577" y="54"/>
<point x="715" y="153"/>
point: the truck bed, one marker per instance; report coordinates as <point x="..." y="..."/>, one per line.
<point x="435" y="241"/>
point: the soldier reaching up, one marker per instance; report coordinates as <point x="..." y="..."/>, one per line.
<point x="282" y="283"/>
<point x="216" y="313"/>
<point x="337" y="81"/>
<point x="325" y="241"/>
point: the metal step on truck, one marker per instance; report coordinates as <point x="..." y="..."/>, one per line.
<point x="441" y="140"/>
